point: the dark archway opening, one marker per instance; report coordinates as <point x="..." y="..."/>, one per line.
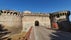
<point x="36" y="23"/>
<point x="1" y="27"/>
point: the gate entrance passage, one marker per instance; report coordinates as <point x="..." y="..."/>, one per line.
<point x="36" y="23"/>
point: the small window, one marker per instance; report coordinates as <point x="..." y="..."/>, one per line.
<point x="4" y="11"/>
<point x="15" y="13"/>
<point x="7" y="12"/>
<point x="1" y="11"/>
<point x="63" y="13"/>
<point x="58" y="16"/>
<point x="11" y="12"/>
<point x="54" y="15"/>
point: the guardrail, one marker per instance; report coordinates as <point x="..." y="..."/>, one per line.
<point x="26" y="37"/>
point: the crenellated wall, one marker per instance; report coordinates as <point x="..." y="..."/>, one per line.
<point x="58" y="17"/>
<point x="16" y="22"/>
<point x="11" y="20"/>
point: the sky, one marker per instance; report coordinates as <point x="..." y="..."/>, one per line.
<point x="36" y="5"/>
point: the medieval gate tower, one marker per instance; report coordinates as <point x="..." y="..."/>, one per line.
<point x="21" y="21"/>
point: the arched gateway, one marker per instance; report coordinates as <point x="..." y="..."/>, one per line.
<point x="36" y="23"/>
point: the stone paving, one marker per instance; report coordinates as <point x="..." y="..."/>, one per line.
<point x="41" y="33"/>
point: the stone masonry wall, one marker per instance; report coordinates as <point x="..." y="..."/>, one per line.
<point x="29" y="21"/>
<point x="11" y="21"/>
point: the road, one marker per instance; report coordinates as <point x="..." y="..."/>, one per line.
<point x="42" y="33"/>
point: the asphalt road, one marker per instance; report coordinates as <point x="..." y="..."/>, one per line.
<point x="42" y="33"/>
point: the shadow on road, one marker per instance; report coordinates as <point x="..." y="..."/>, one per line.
<point x="60" y="35"/>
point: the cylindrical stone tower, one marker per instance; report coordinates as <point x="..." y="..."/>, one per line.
<point x="11" y="20"/>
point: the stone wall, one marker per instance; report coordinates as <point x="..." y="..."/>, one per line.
<point x="11" y="20"/>
<point x="15" y="22"/>
<point x="28" y="20"/>
<point x="58" y="17"/>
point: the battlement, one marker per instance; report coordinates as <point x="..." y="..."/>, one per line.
<point x="60" y="13"/>
<point x="35" y="14"/>
<point x="9" y="12"/>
